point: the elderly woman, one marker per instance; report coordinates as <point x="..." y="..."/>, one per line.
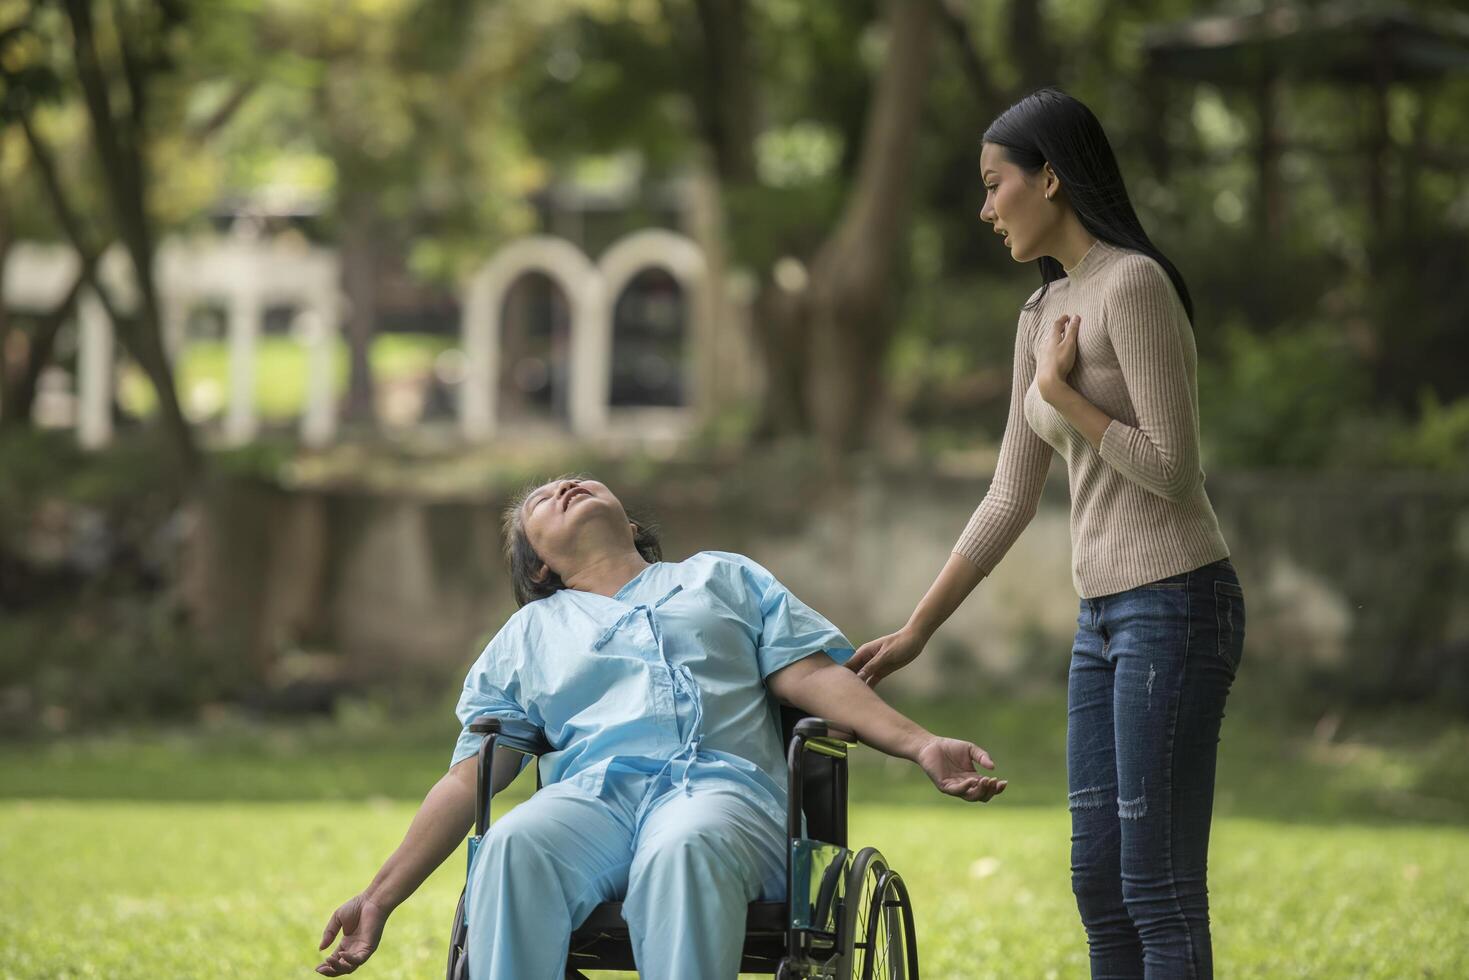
<point x="654" y="679"/>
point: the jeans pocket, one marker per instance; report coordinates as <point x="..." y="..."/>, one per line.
<point x="1179" y="581"/>
<point x="1229" y="611"/>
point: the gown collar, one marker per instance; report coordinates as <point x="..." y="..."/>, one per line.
<point x="640" y="609"/>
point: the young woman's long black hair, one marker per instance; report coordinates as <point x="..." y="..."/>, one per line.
<point x="1049" y="126"/>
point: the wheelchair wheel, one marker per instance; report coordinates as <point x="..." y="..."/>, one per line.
<point x="458" y="967"/>
<point x="877" y="940"/>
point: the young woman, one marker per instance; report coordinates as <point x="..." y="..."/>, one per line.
<point x="1104" y="375"/>
<point x="667" y="789"/>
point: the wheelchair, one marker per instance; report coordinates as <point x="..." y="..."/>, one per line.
<point x="847" y="915"/>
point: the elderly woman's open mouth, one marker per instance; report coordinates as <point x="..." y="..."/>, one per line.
<point x="574" y="493"/>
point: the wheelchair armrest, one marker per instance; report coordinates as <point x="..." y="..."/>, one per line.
<point x="513" y="733"/>
<point x="822" y="738"/>
<point x="819" y="729"/>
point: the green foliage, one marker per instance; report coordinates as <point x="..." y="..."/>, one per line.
<point x="602" y="84"/>
<point x="447" y="118"/>
<point x="1436" y="440"/>
<point x="952" y="360"/>
<point x="106" y="660"/>
<point x="1440" y="440"/>
<point x="1415" y="302"/>
<point x="86" y="629"/>
<point x="38" y="465"/>
<point x="1277" y="399"/>
<point x="767" y="224"/>
<point x="1302" y="398"/>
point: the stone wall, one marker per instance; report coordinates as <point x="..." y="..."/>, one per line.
<point x="1360" y="582"/>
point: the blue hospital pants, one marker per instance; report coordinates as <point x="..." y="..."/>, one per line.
<point x="685" y="873"/>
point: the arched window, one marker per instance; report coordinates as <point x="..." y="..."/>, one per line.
<point x="649" y="338"/>
<point x="535" y="350"/>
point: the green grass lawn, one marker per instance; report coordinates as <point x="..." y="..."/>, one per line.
<point x="221" y="853"/>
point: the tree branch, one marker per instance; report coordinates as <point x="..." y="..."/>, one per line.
<point x="1031" y="45"/>
<point x="220" y="117"/>
<point x="20" y="397"/>
<point x="123" y="163"/>
<point x="956" y="25"/>
<point x="858" y="253"/>
<point x="132" y="71"/>
<point x="5" y="242"/>
<point x="727" y="97"/>
<point x="94" y="87"/>
<point x="45" y="165"/>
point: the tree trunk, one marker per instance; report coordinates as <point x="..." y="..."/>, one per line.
<point x="18" y="396"/>
<point x="987" y="94"/>
<point x="1031" y="46"/>
<point x="729" y="121"/>
<point x="851" y="291"/>
<point x="728" y="106"/>
<point x="120" y="141"/>
<point x="823" y="343"/>
<point x="5" y="368"/>
<point x="779" y="321"/>
<point x="359" y="283"/>
<point x="1269" y="206"/>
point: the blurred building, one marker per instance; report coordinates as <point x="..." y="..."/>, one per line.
<point x="616" y="320"/>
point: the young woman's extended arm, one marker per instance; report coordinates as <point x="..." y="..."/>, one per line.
<point x="877" y="658"/>
<point x="1005" y="511"/>
<point x="437" y="829"/>
<point x="829" y="690"/>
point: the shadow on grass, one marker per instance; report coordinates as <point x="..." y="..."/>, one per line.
<point x="1402" y="766"/>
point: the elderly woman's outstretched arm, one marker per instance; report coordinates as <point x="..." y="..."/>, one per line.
<point x="819" y="685"/>
<point x="437" y="829"/>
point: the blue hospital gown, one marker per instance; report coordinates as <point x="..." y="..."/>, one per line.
<point x="665" y="676"/>
<point x="667" y="791"/>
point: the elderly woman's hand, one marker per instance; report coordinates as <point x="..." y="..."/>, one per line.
<point x="361" y="923"/>
<point x="950" y="763"/>
<point x="878" y="658"/>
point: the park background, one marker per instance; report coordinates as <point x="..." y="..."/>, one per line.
<point x="297" y="292"/>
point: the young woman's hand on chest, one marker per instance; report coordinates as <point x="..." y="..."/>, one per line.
<point x="1056" y="354"/>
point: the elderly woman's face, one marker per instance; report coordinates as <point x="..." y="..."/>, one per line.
<point x="555" y="513"/>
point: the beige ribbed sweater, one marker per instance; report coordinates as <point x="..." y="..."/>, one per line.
<point x="1138" y="508"/>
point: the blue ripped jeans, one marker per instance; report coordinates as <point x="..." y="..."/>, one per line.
<point x="1150" y="671"/>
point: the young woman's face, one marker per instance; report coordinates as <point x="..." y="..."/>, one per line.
<point x="556" y="513"/>
<point x="1015" y="203"/>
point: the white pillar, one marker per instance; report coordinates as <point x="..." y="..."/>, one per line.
<point x="318" y="331"/>
<point x="717" y="375"/>
<point x="95" y="373"/>
<point x="480" y="335"/>
<point x="175" y="323"/>
<point x="591" y="356"/>
<point x="240" y="423"/>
